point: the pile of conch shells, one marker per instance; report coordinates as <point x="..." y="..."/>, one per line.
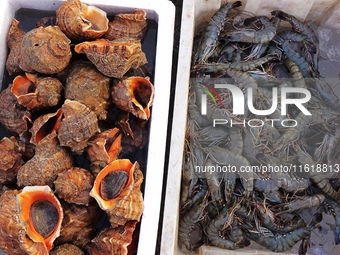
<point x="70" y="180"/>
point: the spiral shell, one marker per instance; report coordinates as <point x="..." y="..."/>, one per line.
<point x="79" y="221"/>
<point x="78" y="125"/>
<point x="10" y="225"/>
<point x="134" y="94"/>
<point x="80" y="21"/>
<point x="88" y="86"/>
<point x="104" y="148"/>
<point x="14" y="38"/>
<point x="67" y="249"/>
<point x="113" y="58"/>
<point x="35" y="92"/>
<point x="130" y="25"/>
<point x="45" y="127"/>
<point x="12" y="116"/>
<point x="10" y="161"/>
<point x="74" y="185"/>
<point x="45" y="50"/>
<point x="41" y="214"/>
<point x="117" y="191"/>
<point x="49" y="160"/>
<point x="113" y="240"/>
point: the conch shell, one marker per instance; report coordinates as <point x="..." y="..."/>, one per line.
<point x="35" y="92"/>
<point x="67" y="249"/>
<point x="49" y="160"/>
<point x="41" y="214"/>
<point x="80" y="21"/>
<point x="104" y="148"/>
<point x="135" y="95"/>
<point x="10" y="161"/>
<point x="10" y="226"/>
<point x="45" y="127"/>
<point x="117" y="191"/>
<point x="113" y="240"/>
<point x="12" y="116"/>
<point x="113" y="58"/>
<point x="78" y="125"/>
<point x="74" y="185"/>
<point x="129" y="25"/>
<point x="14" y="38"/>
<point x="90" y="87"/>
<point x="78" y="224"/>
<point x="45" y="50"/>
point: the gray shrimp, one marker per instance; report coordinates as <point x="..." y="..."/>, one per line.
<point x="303" y="28"/>
<point x="290" y="183"/>
<point x="190" y="229"/>
<point x="235" y="143"/>
<point x="335" y="210"/>
<point x="300" y="203"/>
<point x="293" y="134"/>
<point x="225" y="157"/>
<point x="242" y="66"/>
<point x="294" y="56"/>
<point x="281" y="243"/>
<point x="269" y="189"/>
<point x="215" y="227"/>
<point x="214" y="180"/>
<point x="292" y="36"/>
<point x="212" y="32"/>
<point x="329" y="148"/>
<point x="298" y="79"/>
<point x="246" y="35"/>
<point x="321" y="180"/>
<point x="297" y="25"/>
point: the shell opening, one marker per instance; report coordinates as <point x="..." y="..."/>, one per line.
<point x="95" y="18"/>
<point x="52" y="124"/>
<point x="22" y="86"/>
<point x="113" y="184"/>
<point x="44" y="216"/>
<point x="113" y="145"/>
<point x="141" y="90"/>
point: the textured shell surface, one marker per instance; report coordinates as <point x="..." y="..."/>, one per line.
<point x="113" y="58"/>
<point x="12" y="116"/>
<point x="45" y="50"/>
<point x="104" y="148"/>
<point x="90" y="87"/>
<point x="41" y="214"/>
<point x="129" y="25"/>
<point x="35" y="92"/>
<point x="14" y="37"/>
<point x="130" y="206"/>
<point x="67" y="249"/>
<point x="10" y="161"/>
<point x="49" y="160"/>
<point x="78" y="125"/>
<point x="113" y="240"/>
<point x="74" y="185"/>
<point x="122" y="200"/>
<point x="79" y="220"/>
<point x="10" y="225"/>
<point x="80" y="21"/>
<point x="134" y="94"/>
<point x="45" y="127"/>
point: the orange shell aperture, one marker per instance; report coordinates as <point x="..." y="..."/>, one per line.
<point x="25" y="200"/>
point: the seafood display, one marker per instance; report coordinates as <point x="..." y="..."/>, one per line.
<point x="74" y="131"/>
<point x="261" y="158"/>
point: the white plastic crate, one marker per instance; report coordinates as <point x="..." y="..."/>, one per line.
<point x="163" y="13"/>
<point x="195" y="13"/>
